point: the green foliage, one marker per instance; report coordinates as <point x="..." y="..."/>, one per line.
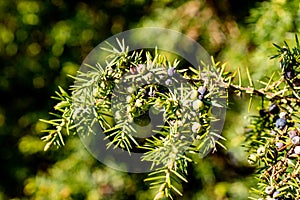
<point x="186" y="110"/>
<point x="42" y="41"/>
<point x="272" y="138"/>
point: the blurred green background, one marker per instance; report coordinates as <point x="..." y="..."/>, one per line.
<point x="43" y="41"/>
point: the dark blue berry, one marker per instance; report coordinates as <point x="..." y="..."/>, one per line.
<point x="171" y="71"/>
<point x="274" y="109"/>
<point x="289" y="74"/>
<point x="280" y="123"/>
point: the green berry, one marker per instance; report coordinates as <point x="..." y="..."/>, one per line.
<point x="138" y="103"/>
<point x="261" y="151"/>
<point x="196" y="127"/>
<point x="194" y="94"/>
<point x="269" y="190"/>
<point x="197" y="104"/>
<point x="252" y="159"/>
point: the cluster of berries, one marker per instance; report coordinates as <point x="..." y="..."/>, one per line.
<point x="286" y="139"/>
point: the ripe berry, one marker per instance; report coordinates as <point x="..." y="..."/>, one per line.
<point x="274" y="109"/>
<point x="289" y="74"/>
<point x="280" y="123"/>
<point x="296" y="140"/>
<point x="171" y="71"/>
<point x="297" y="150"/>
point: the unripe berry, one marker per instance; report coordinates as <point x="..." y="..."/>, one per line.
<point x="130" y="90"/>
<point x="138" y="103"/>
<point x="280" y="123"/>
<point x="282" y="114"/>
<point x="269" y="190"/>
<point x="194" y="94"/>
<point x="117" y="115"/>
<point x="197" y="104"/>
<point x="252" y="159"/>
<point x="261" y="151"/>
<point x="196" y="127"/>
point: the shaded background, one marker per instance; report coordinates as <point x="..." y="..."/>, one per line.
<point x="43" y="41"/>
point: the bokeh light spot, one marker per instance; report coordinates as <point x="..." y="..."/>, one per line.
<point x="38" y="82"/>
<point x="33" y="49"/>
<point x="11" y="49"/>
<point x="31" y="19"/>
<point x="57" y="49"/>
<point x="2" y="119"/>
